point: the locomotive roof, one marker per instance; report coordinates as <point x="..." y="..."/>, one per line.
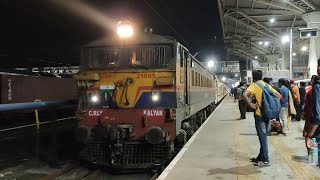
<point x="141" y="38"/>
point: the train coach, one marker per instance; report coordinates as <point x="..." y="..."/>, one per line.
<point x="140" y="98"/>
<point x="21" y="95"/>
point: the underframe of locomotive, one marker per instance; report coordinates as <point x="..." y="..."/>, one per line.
<point x="114" y="142"/>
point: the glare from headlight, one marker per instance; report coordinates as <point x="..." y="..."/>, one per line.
<point x="94" y="98"/>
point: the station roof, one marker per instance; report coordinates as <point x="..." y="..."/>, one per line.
<point x="254" y="28"/>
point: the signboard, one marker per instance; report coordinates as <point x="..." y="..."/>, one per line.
<point x="297" y="74"/>
<point x="276" y="75"/>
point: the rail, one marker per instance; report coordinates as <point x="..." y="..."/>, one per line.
<point x="31" y="125"/>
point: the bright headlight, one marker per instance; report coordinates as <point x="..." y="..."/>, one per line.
<point x="155" y="95"/>
<point x="125" y="29"/>
<point x="94" y="98"/>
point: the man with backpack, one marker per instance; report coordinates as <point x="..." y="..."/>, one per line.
<point x="266" y="108"/>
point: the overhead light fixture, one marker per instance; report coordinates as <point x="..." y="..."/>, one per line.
<point x="210" y="64"/>
<point x="236" y="75"/>
<point x="266" y="43"/>
<point x="272" y="20"/>
<point x="294" y="54"/>
<point x="309" y="34"/>
<point x="256" y="57"/>
<point x="260" y="42"/>
<point x="285" y="39"/>
<point x="224" y="78"/>
<point x="304" y="48"/>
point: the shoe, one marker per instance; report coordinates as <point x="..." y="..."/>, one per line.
<point x="262" y="163"/>
<point x="284" y="134"/>
<point x="239" y="118"/>
<point x="254" y="160"/>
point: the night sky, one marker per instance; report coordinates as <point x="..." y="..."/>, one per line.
<point x="43" y="30"/>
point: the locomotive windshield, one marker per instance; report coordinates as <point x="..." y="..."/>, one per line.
<point x="147" y="56"/>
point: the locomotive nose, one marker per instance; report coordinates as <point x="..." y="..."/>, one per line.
<point x="155" y="135"/>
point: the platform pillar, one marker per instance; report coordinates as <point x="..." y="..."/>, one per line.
<point x="313" y="21"/>
<point x="285" y="65"/>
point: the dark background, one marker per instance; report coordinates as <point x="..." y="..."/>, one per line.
<point x="41" y="32"/>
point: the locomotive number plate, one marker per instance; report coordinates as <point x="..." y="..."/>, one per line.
<point x="108" y="75"/>
<point x="145" y="75"/>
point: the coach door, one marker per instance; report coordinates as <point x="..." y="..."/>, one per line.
<point x="184" y="64"/>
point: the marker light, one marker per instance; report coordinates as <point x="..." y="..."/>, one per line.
<point x="94" y="98"/>
<point x="155" y="95"/>
<point x="124" y="29"/>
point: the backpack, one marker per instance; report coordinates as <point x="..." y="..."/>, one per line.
<point x="270" y="106"/>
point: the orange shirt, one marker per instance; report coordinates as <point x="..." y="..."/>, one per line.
<point x="296" y="93"/>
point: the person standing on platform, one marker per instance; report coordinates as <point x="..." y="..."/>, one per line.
<point x="296" y="95"/>
<point x="235" y="93"/>
<point x="313" y="131"/>
<point x="261" y="124"/>
<point x="284" y="91"/>
<point x="308" y="106"/>
<point x="302" y="93"/>
<point x="242" y="103"/>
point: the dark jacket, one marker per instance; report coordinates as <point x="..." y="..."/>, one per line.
<point x="315" y="117"/>
<point x="302" y="92"/>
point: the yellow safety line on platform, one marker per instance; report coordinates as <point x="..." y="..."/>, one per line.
<point x="245" y="170"/>
<point x="300" y="170"/>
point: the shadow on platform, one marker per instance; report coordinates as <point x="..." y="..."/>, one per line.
<point x="303" y="159"/>
<point x="248" y="134"/>
<point x="240" y="170"/>
<point x="231" y="119"/>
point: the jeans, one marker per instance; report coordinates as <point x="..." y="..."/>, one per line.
<point x="262" y="128"/>
<point x="242" y="108"/>
<point x="283" y="117"/>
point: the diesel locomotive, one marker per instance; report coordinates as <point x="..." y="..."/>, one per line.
<point x="140" y="98"/>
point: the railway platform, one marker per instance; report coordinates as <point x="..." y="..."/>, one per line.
<point x="223" y="146"/>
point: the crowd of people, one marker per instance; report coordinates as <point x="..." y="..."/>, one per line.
<point x="295" y="103"/>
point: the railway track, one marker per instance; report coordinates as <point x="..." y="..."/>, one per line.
<point x="40" y="171"/>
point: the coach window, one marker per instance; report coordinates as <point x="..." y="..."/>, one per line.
<point x="197" y="79"/>
<point x="181" y="57"/>
<point x="192" y="77"/>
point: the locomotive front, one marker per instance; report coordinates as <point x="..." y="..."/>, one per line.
<point x="126" y="113"/>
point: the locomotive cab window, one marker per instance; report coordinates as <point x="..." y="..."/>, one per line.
<point x="151" y="56"/>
